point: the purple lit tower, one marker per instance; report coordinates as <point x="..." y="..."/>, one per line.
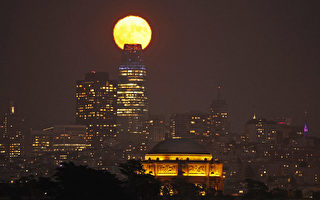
<point x="305" y="130"/>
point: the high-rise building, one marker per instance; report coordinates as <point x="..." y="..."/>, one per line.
<point x="219" y="116"/>
<point x="13" y="133"/>
<point x="156" y="129"/>
<point x="96" y="101"/>
<point x="190" y="124"/>
<point x="132" y="97"/>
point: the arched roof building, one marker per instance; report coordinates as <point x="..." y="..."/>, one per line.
<point x="186" y="159"/>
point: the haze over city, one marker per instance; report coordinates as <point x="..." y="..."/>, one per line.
<point x="159" y="100"/>
<point x="264" y="54"/>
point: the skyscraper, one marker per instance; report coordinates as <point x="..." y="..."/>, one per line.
<point x="132" y="97"/>
<point x="96" y="100"/>
<point x="13" y="134"/>
<point x="219" y="115"/>
<point x="189" y="125"/>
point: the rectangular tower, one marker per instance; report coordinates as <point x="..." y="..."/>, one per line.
<point x="96" y="101"/>
<point x="13" y="134"/>
<point x="189" y="125"/>
<point x="132" y="97"/>
<point x="219" y="116"/>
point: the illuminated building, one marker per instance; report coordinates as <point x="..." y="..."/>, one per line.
<point x="188" y="125"/>
<point x="263" y="131"/>
<point x="41" y="142"/>
<point x="60" y="142"/>
<point x="96" y="100"/>
<point x="186" y="159"/>
<point x="305" y="129"/>
<point x="3" y="152"/>
<point x="219" y="116"/>
<point x="132" y="101"/>
<point x="156" y="129"/>
<point x="13" y="134"/>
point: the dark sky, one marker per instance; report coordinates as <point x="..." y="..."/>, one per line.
<point x="266" y="54"/>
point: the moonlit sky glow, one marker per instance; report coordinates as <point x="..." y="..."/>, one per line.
<point x="132" y="30"/>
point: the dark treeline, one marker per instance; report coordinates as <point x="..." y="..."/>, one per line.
<point x="79" y="182"/>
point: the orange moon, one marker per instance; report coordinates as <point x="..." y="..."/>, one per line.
<point x="132" y="30"/>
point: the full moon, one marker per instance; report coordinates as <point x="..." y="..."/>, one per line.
<point x="132" y="30"/>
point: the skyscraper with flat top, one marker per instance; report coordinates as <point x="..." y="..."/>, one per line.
<point x="132" y="97"/>
<point x="219" y="115"/>
<point x="96" y="100"/>
<point x="13" y="134"/>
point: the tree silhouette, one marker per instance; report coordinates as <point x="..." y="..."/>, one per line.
<point x="256" y="190"/>
<point x="139" y="185"/>
<point x="80" y="182"/>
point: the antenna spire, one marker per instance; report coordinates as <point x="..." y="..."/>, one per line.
<point x="219" y="92"/>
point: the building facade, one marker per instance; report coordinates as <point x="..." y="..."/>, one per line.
<point x="132" y="101"/>
<point x="189" y="125"/>
<point x="218" y="116"/>
<point x="13" y="134"/>
<point x="185" y="159"/>
<point x="96" y="102"/>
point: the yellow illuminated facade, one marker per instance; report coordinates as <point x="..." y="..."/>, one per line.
<point x="132" y="97"/>
<point x="41" y="143"/>
<point x="196" y="167"/>
<point x="96" y="100"/>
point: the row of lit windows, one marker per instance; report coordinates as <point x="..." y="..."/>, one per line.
<point x="129" y="85"/>
<point x="134" y="71"/>
<point x="108" y="85"/>
<point x="103" y="125"/>
<point x="130" y="92"/>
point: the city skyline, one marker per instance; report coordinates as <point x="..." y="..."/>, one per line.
<point x="267" y="64"/>
<point x="160" y="100"/>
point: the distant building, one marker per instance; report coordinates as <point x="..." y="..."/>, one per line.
<point x="262" y="130"/>
<point x="41" y="142"/>
<point x="13" y="133"/>
<point x="189" y="125"/>
<point x="96" y="107"/>
<point x="67" y="142"/>
<point x="60" y="143"/>
<point x="132" y="108"/>
<point x="156" y="129"/>
<point x="218" y="116"/>
<point x="185" y="159"/>
<point x="12" y="145"/>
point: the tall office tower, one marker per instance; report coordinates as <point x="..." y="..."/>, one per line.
<point x="156" y="129"/>
<point x="13" y="134"/>
<point x="218" y="116"/>
<point x="132" y="97"/>
<point x="96" y="101"/>
<point x="189" y="125"/>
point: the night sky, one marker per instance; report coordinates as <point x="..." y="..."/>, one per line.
<point x="265" y="54"/>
